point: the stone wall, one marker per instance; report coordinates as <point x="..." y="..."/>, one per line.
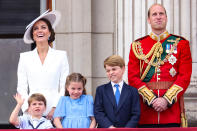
<point x="92" y="30"/>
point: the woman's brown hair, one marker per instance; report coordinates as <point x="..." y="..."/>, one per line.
<point x="52" y="36"/>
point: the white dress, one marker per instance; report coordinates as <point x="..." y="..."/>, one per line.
<point x="48" y="78"/>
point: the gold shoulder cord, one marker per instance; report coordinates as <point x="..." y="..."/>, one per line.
<point x="155" y="51"/>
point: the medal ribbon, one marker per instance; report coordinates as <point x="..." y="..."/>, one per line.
<point x="163" y="55"/>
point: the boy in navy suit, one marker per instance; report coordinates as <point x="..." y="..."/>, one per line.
<point x="116" y="103"/>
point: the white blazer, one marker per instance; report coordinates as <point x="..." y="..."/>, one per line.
<point x="48" y="78"/>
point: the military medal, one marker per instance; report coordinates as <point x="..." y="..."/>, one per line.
<point x="167" y="48"/>
<point x="172" y="59"/>
<point x="175" y="50"/>
<point x="172" y="72"/>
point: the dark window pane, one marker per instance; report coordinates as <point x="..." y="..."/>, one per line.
<point x="15" y="15"/>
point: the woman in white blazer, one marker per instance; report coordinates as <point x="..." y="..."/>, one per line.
<point x="43" y="70"/>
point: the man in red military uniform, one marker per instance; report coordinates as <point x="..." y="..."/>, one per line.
<point x="160" y="67"/>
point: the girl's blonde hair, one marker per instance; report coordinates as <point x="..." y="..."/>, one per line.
<point x="75" y="77"/>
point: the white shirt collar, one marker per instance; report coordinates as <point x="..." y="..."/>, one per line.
<point x="36" y="119"/>
<point x="120" y="86"/>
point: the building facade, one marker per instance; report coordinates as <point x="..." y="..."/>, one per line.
<point x="92" y="30"/>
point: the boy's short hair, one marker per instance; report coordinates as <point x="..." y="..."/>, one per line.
<point x="36" y="97"/>
<point x="114" y="60"/>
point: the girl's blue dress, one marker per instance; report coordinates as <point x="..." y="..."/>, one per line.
<point x="75" y="113"/>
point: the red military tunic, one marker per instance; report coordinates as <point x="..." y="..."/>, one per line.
<point x="176" y="69"/>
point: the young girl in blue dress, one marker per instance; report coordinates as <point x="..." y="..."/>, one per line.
<point x="75" y="109"/>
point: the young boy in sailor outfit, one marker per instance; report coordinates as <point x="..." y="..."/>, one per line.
<point x="33" y="118"/>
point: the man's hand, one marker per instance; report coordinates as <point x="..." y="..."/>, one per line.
<point x="160" y="104"/>
<point x="50" y="114"/>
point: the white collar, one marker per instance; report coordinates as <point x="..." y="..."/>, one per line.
<point x="36" y="50"/>
<point x="120" y="84"/>
<point x="35" y="119"/>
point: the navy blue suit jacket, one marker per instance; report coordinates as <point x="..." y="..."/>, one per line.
<point x="106" y="111"/>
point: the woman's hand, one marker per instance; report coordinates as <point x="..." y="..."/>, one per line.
<point x="50" y="114"/>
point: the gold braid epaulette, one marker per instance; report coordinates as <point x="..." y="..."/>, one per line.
<point x="155" y="51"/>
